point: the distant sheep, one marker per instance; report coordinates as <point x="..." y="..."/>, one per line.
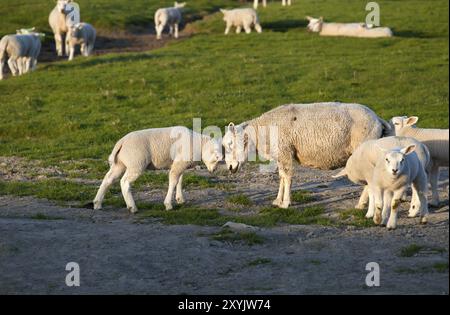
<point x="157" y="149"/>
<point x="241" y="18"/>
<point x="22" y="51"/>
<point x="361" y="167"/>
<point x="29" y="63"/>
<point x="58" y="22"/>
<point x="346" y="29"/>
<point x="320" y="135"/>
<point x="82" y="34"/>
<point x="435" y="139"/>
<point x="264" y="3"/>
<point x="168" y="16"/>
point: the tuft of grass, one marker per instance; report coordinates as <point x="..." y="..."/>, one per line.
<point x="240" y="199"/>
<point x="259" y="261"/>
<point x="247" y="238"/>
<point x="302" y="196"/>
<point x="355" y="217"/>
<point x="410" y="250"/>
<point x="440" y="267"/>
<point x="184" y="215"/>
<point x="41" y="216"/>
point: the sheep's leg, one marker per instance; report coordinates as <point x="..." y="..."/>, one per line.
<point x="171" y="30"/>
<point x="12" y="63"/>
<point x="264" y="2"/>
<point x="371" y="209"/>
<point x="2" y="63"/>
<point x="179" y="193"/>
<point x="159" y="30"/>
<point x="434" y="177"/>
<point x="387" y="207"/>
<point x="283" y="2"/>
<point x="84" y="50"/>
<point x="125" y="184"/>
<point x="255" y="4"/>
<point x="394" y="204"/>
<point x="66" y="45"/>
<point x="113" y="174"/>
<point x="415" y="204"/>
<point x="174" y="177"/>
<point x="238" y="29"/>
<point x="419" y="185"/>
<point x="378" y="198"/>
<point x="277" y="202"/>
<point x="247" y="28"/>
<point x="71" y="52"/>
<point x="58" y="43"/>
<point x="285" y="169"/>
<point x="27" y="61"/>
<point x="227" y="28"/>
<point x="364" y="199"/>
<point x="176" y="31"/>
<point x="258" y="28"/>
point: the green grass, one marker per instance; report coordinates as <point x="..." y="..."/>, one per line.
<point x="247" y="238"/>
<point x="410" y="250"/>
<point x="240" y="199"/>
<point x="41" y="216"/>
<point x="355" y="217"/>
<point x="259" y="261"/>
<point x="441" y="267"/>
<point x="302" y="196"/>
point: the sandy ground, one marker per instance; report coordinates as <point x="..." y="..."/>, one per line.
<point x="119" y="254"/>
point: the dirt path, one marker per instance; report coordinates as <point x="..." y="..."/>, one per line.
<point x="118" y="254"/>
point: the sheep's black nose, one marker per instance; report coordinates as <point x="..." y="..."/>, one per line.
<point x="230" y="168"/>
<point x="394" y="171"/>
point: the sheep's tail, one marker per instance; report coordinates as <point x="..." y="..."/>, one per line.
<point x="112" y="159"/>
<point x="342" y="173"/>
<point x="386" y="127"/>
<point x="157" y="21"/>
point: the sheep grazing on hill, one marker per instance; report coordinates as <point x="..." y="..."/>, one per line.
<point x="22" y="52"/>
<point x="82" y="34"/>
<point x="241" y="18"/>
<point x="346" y="29"/>
<point x="264" y="3"/>
<point x="320" y="135"/>
<point x="435" y="139"/>
<point x="172" y="148"/>
<point x="361" y="165"/>
<point x="57" y="20"/>
<point x="29" y="63"/>
<point x="168" y="16"/>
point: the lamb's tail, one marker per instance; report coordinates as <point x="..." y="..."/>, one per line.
<point x="112" y="159"/>
<point x="387" y="128"/>
<point x="157" y="20"/>
<point x="342" y="173"/>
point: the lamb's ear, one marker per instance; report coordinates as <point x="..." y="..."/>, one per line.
<point x="223" y="11"/>
<point x="321" y="19"/>
<point x="309" y="18"/>
<point x="411" y="121"/>
<point x="342" y="173"/>
<point x="231" y="128"/>
<point x="409" y="149"/>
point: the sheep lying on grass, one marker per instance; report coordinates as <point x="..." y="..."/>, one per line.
<point x="241" y="18"/>
<point x="22" y="51"/>
<point x="362" y="166"/>
<point x="435" y="139"/>
<point x="172" y="148"/>
<point x="82" y="34"/>
<point x="264" y="3"/>
<point x="321" y="135"/>
<point x="168" y="16"/>
<point x="346" y="29"/>
<point x="58" y="23"/>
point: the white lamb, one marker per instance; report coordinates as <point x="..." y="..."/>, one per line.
<point x="435" y="139"/>
<point x="58" y="22"/>
<point x="22" y="51"/>
<point x="82" y="34"/>
<point x="346" y="29"/>
<point x="172" y="148"/>
<point x="30" y="63"/>
<point x="320" y="135"/>
<point x="361" y="166"/>
<point x="241" y="18"/>
<point x="168" y="16"/>
<point x="264" y="3"/>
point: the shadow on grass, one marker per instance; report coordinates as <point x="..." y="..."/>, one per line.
<point x="413" y="34"/>
<point x="284" y="25"/>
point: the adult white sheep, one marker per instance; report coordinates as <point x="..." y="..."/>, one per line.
<point x="321" y="135"/>
<point x="168" y="16"/>
<point x="58" y="23"/>
<point x="82" y="34"/>
<point x="241" y="18"/>
<point x="346" y="29"/>
<point x="435" y="139"/>
<point x="362" y="163"/>
<point x="21" y="51"/>
<point x="170" y="148"/>
<point x="264" y="3"/>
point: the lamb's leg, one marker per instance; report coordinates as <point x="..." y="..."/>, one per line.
<point x="247" y="28"/>
<point x="258" y="28"/>
<point x="12" y="63"/>
<point x="387" y="207"/>
<point x="264" y="3"/>
<point x="113" y="174"/>
<point x="66" y="45"/>
<point x="363" y="199"/>
<point x="71" y="52"/>
<point x="277" y="202"/>
<point x="128" y="178"/>
<point x="170" y="30"/>
<point x="395" y="204"/>
<point x="378" y="198"/>
<point x="420" y="185"/>
<point x="159" y="29"/>
<point x="371" y="209"/>
<point x="238" y="29"/>
<point x="58" y="43"/>
<point x="283" y="2"/>
<point x="434" y="177"/>
<point x="255" y="4"/>
<point x="285" y="169"/>
<point x="2" y="63"/>
<point x="176" y="31"/>
<point x="179" y="193"/>
<point x="174" y="176"/>
<point x="227" y="28"/>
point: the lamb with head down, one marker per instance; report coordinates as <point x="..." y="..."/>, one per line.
<point x="241" y="18"/>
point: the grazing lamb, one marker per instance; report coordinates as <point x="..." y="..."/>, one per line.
<point x="346" y="29"/>
<point x="168" y="16"/>
<point x="22" y="51"/>
<point x="264" y="3"/>
<point x="29" y="63"/>
<point x="241" y="18"/>
<point x="321" y="135"/>
<point x="164" y="148"/>
<point x="58" y="22"/>
<point x="82" y="34"/>
<point x="435" y="139"/>
<point x="362" y="163"/>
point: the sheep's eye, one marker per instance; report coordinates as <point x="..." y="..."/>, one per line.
<point x="396" y="124"/>
<point x="387" y="160"/>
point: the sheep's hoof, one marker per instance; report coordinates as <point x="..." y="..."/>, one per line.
<point x="97" y="205"/>
<point x="369" y="216"/>
<point x="284" y="205"/>
<point x="168" y="206"/>
<point x="180" y="201"/>
<point x="412" y="215"/>
<point x="423" y="220"/>
<point x="277" y="202"/>
<point x="361" y="206"/>
<point x="377" y="219"/>
<point x="391" y="228"/>
<point x="133" y="210"/>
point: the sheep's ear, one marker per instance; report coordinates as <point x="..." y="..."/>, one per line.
<point x="410" y="121"/>
<point x="223" y="11"/>
<point x="409" y="149"/>
<point x="231" y="127"/>
<point x="309" y="18"/>
<point x="342" y="173"/>
<point x="321" y="19"/>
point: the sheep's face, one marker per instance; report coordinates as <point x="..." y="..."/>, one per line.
<point x="401" y="122"/>
<point x="62" y="5"/>
<point x="211" y="155"/>
<point x="314" y="25"/>
<point x="179" y="5"/>
<point x="235" y="144"/>
<point x="74" y="31"/>
<point x="395" y="160"/>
